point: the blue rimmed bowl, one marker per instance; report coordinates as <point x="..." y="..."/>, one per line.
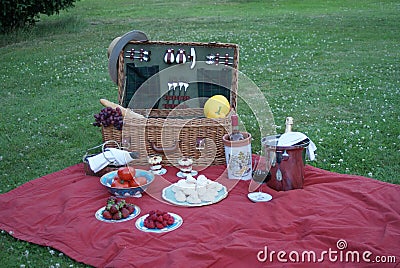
<point x="107" y="179"/>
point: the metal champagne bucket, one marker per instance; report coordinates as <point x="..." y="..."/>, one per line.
<point x="285" y="163"/>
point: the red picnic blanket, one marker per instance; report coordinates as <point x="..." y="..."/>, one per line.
<point x="336" y="220"/>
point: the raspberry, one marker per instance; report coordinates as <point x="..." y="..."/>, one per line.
<point x="171" y="221"/>
<point x="159" y="225"/>
<point x="151" y="225"/>
<point x="153" y="217"/>
<point x="158" y="219"/>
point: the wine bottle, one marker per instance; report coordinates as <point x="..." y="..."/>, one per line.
<point x="236" y="135"/>
<point x="289" y="124"/>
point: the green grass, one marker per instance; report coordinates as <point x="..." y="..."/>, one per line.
<point x="332" y="65"/>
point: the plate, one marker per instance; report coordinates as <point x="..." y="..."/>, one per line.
<point x="259" y="197"/>
<point x="159" y="172"/>
<point x="177" y="223"/>
<point x="180" y="174"/>
<point x="99" y="215"/>
<point x="169" y="196"/>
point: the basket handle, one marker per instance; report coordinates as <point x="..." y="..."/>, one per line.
<point x="88" y="150"/>
<point x="170" y="149"/>
<point x="103" y="148"/>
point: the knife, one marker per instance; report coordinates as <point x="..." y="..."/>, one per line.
<point x="193" y="57"/>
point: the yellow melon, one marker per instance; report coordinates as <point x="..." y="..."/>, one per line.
<point x="216" y="107"/>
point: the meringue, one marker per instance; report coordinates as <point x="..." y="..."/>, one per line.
<point x="195" y="191"/>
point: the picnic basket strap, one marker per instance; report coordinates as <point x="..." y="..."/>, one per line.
<point x="121" y="77"/>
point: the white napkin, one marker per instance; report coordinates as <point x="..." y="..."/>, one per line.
<point x="121" y="157"/>
<point x="311" y="148"/>
<point x="112" y="156"/>
<point x="292" y="138"/>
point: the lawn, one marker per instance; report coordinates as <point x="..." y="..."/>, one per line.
<point x="331" y="65"/>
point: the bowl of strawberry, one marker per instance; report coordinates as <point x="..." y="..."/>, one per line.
<point x="127" y="181"/>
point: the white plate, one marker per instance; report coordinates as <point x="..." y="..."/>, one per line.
<point x="177" y="223"/>
<point x="259" y="197"/>
<point x="182" y="175"/>
<point x="169" y="196"/>
<point x="99" y="215"/>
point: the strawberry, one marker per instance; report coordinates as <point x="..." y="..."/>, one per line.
<point x="107" y="215"/>
<point x="130" y="207"/>
<point x="117" y="216"/>
<point x="125" y="213"/>
<point x="112" y="200"/>
<point x="121" y="204"/>
<point x="166" y="216"/>
<point x="160" y="219"/>
<point x="113" y="209"/>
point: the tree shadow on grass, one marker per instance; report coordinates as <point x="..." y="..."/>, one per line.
<point x="44" y="28"/>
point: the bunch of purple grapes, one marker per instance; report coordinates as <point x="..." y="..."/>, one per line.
<point x="109" y="117"/>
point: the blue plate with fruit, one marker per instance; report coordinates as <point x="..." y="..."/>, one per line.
<point x="117" y="210"/>
<point x="100" y="217"/>
<point x="170" y="222"/>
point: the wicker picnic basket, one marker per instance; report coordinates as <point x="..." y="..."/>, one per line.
<point x="174" y="133"/>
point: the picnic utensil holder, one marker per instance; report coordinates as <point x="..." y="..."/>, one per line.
<point x="165" y="129"/>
